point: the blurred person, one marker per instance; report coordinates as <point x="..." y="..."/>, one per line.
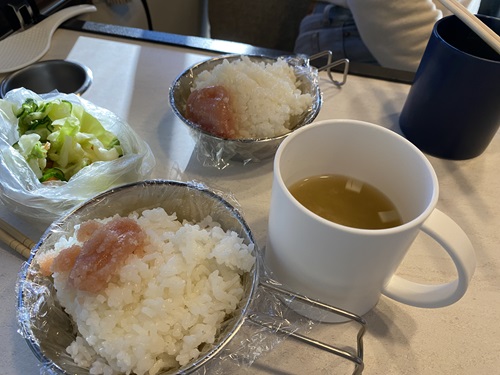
<point x="390" y="33"/>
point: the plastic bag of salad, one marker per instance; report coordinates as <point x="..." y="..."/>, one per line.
<point x="59" y="150"/>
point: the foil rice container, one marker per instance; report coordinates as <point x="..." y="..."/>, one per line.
<point x="214" y="151"/>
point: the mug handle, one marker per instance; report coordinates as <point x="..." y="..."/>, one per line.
<point x="458" y="246"/>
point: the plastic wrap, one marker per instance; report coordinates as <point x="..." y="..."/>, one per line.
<point x="214" y="151"/>
<point x="22" y="193"/>
<point x="257" y="326"/>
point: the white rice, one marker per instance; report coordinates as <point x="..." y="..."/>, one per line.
<point x="265" y="96"/>
<point x="159" y="307"/>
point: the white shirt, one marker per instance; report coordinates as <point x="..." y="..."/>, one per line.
<point x="396" y="31"/>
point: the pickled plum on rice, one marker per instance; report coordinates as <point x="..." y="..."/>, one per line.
<point x="66" y="259"/>
<point x="210" y="108"/>
<point x="104" y="250"/>
<point x="87" y="229"/>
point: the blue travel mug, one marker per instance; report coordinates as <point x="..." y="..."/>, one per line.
<point x="453" y="108"/>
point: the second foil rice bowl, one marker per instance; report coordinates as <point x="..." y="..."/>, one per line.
<point x="218" y="150"/>
<point x="44" y="323"/>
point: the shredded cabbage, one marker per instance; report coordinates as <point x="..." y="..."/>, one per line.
<point x="35" y="153"/>
<point x="59" y="138"/>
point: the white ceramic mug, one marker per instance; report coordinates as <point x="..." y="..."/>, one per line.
<point x="349" y="267"/>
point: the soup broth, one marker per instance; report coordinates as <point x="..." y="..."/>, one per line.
<point x="346" y="201"/>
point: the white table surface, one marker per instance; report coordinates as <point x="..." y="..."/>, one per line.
<point x="132" y="79"/>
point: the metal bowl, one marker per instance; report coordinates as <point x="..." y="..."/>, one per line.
<point x="49" y="330"/>
<point x="67" y="77"/>
<point x="217" y="151"/>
